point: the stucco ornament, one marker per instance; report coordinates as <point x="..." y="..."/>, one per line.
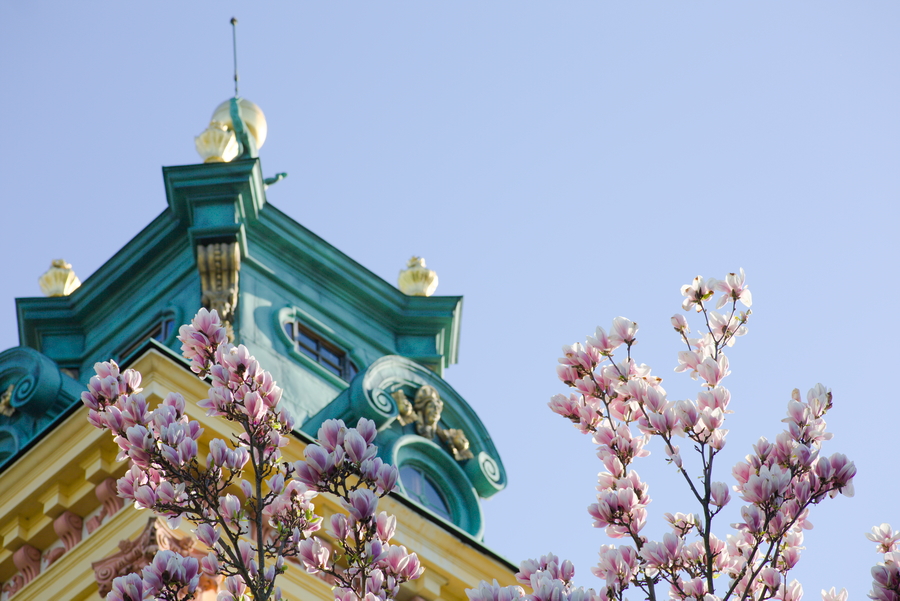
<point x="406" y="413"/>
<point x="217" y="143"/>
<point x="425" y="411"/>
<point x="219" y="265"/>
<point x="59" y="280"/>
<point x="6" y="407"/>
<point x="416" y="279"/>
<point x="456" y="441"/>
<point x="134" y="555"/>
<point x="428" y="406"/>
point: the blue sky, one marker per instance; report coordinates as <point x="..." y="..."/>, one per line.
<point x="559" y="164"/>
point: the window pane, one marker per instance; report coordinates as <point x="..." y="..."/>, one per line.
<point x="412" y="480"/>
<point x="335" y="370"/>
<point x="434" y="499"/>
<point x="424" y="491"/>
<point x="330" y="356"/>
<point x="308" y="341"/>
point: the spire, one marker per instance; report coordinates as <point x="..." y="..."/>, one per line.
<point x="234" y="46"/>
<point x="237" y="129"/>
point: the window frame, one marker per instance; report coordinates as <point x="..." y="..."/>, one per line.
<point x="318" y="348"/>
<point x="329" y="340"/>
<point x="427" y="457"/>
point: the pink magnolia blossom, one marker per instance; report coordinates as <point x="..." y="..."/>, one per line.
<point x="886" y="538"/>
<point x="734" y="290"/>
<point x="778" y="481"/>
<point x="832" y="595"/>
<point x="167" y="477"/>
<point x="696" y="293"/>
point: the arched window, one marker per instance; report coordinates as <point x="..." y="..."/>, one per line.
<point x="320" y="350"/>
<point x="424" y="491"/>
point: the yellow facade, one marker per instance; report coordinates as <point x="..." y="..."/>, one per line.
<point x="61" y="472"/>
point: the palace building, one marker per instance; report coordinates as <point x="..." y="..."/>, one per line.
<point x="341" y="342"/>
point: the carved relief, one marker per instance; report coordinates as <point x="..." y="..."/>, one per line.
<point x="134" y="555"/>
<point x="406" y="415"/>
<point x="219" y="265"/>
<point x="425" y="411"/>
<point x="428" y="406"/>
<point x="6" y="407"/>
<point x="456" y="441"/>
<point x="13" y="585"/>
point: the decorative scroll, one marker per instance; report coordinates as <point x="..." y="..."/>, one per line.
<point x="134" y="555"/>
<point x="425" y="411"/>
<point x="112" y="502"/>
<point x="28" y="561"/>
<point x="219" y="265"/>
<point x="68" y="528"/>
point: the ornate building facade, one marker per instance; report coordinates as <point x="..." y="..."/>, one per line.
<point x="340" y="341"/>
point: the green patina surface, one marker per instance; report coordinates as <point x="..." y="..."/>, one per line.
<point x="286" y="272"/>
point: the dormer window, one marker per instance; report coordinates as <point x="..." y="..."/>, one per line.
<point x="326" y="354"/>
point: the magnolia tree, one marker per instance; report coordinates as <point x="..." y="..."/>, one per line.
<point x="622" y="406"/>
<point x="251" y="509"/>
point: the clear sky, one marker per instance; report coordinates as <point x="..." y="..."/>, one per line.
<point x="558" y="163"/>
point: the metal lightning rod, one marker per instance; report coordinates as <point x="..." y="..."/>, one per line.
<point x="234" y="44"/>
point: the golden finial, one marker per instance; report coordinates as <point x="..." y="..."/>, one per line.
<point x="416" y="279"/>
<point x="59" y="280"/>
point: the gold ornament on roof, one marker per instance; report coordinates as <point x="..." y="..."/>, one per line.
<point x="217" y="143"/>
<point x="59" y="280"/>
<point x="251" y="114"/>
<point x="416" y="279"/>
